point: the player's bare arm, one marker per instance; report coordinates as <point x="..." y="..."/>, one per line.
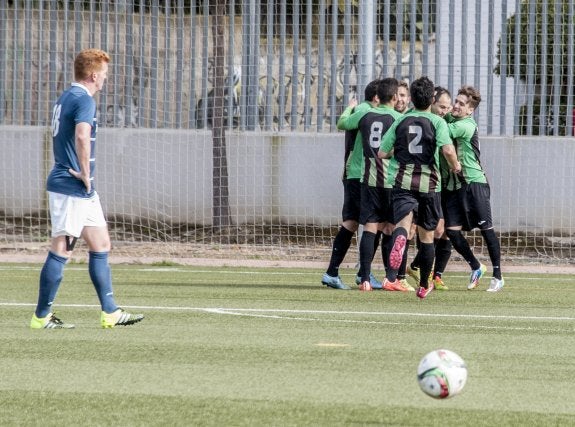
<point x="451" y="156"/>
<point x="83" y="133"/>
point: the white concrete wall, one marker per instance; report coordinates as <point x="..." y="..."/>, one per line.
<point x="292" y="178"/>
<point x="22" y="169"/>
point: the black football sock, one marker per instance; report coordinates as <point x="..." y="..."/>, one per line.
<point x="385" y="248"/>
<point x="341" y="244"/>
<point x="461" y="245"/>
<point x="415" y="263"/>
<point x="403" y="267"/>
<point x="426" y="256"/>
<point x="442" y="255"/>
<point x="376" y="242"/>
<point x="494" y="250"/>
<point x="366" y="254"/>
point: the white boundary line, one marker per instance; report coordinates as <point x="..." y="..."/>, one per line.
<point x="261" y="312"/>
<point x="281" y="314"/>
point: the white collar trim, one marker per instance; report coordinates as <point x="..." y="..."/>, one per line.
<point x="82" y="86"/>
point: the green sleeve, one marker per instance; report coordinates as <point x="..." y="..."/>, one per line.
<point x="442" y="134"/>
<point x="343" y="118"/>
<point x="388" y="139"/>
<point x="461" y="129"/>
<point x="349" y="120"/>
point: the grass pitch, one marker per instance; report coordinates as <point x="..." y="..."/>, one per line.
<point x="260" y="347"/>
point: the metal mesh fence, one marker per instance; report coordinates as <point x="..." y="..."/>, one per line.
<point x="291" y="64"/>
<point x="284" y="68"/>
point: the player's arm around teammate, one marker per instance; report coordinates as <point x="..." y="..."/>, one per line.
<point x="472" y="208"/>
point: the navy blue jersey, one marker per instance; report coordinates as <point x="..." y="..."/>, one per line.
<point x="74" y="106"/>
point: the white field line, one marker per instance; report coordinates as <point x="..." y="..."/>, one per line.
<point x="280" y="313"/>
<point x="379" y="322"/>
<point x="292" y="315"/>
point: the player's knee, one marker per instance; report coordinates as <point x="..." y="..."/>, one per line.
<point x="350" y="225"/>
<point x="59" y="246"/>
<point x="453" y="234"/>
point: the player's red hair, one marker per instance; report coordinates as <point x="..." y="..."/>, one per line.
<point x="89" y="61"/>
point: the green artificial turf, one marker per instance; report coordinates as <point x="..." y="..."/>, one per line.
<point x="259" y="347"/>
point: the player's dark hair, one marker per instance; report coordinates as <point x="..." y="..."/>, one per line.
<point x="386" y="89"/>
<point x="439" y="92"/>
<point x="422" y="91"/>
<point x="403" y="83"/>
<point x="371" y="90"/>
<point x="472" y="94"/>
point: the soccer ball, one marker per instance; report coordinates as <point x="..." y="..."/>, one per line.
<point x="441" y="374"/>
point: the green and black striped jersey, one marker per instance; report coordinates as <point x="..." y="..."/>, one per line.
<point x="466" y="140"/>
<point x="415" y="139"/>
<point x="372" y="126"/>
<point x="348" y="121"/>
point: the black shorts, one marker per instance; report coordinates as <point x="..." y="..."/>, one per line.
<point x="351" y="200"/>
<point x="469" y="207"/>
<point x="425" y="206"/>
<point x="375" y="205"/>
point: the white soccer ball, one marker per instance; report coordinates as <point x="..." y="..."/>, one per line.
<point x="441" y="374"/>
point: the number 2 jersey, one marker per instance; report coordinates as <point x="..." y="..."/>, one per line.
<point x="74" y="106"/>
<point x="415" y="140"/>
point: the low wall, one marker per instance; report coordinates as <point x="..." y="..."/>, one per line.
<point x="292" y="178"/>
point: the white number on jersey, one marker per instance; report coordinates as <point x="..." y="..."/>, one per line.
<point x="56" y="119"/>
<point x="414" y="147"/>
<point x="375" y="134"/>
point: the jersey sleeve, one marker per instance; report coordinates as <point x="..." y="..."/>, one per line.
<point x="343" y="118"/>
<point x="442" y="133"/>
<point x="350" y="121"/>
<point x="461" y="129"/>
<point x="85" y="110"/>
<point x="388" y="139"/>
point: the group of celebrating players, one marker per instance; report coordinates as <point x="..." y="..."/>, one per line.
<point x="413" y="172"/>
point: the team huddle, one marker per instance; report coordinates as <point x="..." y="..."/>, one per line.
<point x="413" y="173"/>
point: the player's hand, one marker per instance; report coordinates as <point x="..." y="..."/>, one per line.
<point x="352" y="102"/>
<point x="457" y="168"/>
<point x="85" y="179"/>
